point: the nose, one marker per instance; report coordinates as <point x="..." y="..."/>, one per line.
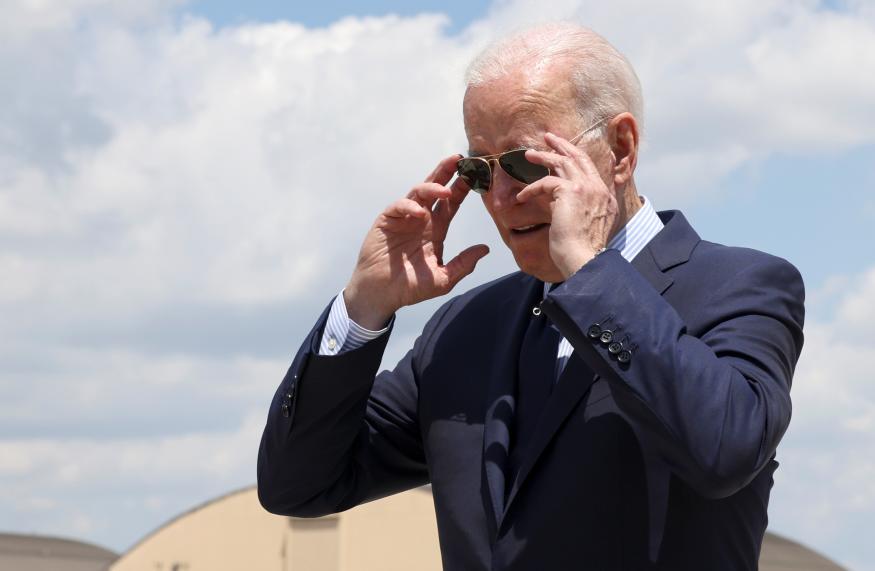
<point x="504" y="188"/>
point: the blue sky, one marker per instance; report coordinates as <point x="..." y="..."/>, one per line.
<point x="791" y="205"/>
<point x="170" y="225"/>
<point x="314" y="14"/>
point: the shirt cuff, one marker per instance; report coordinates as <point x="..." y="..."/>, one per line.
<point x="342" y="334"/>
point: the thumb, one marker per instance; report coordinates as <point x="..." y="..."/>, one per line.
<point x="464" y="263"/>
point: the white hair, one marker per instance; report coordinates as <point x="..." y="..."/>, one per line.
<point x="604" y="80"/>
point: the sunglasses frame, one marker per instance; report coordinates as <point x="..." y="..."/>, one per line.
<point x="497" y="157"/>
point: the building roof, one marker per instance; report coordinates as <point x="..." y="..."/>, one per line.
<point x="237" y="522"/>
<point x="40" y="553"/>
<point x="20" y="552"/>
<point x="782" y="554"/>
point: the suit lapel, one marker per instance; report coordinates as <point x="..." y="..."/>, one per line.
<point x="672" y="246"/>
<point x="647" y="267"/>
<point x="514" y="313"/>
<point x="573" y="384"/>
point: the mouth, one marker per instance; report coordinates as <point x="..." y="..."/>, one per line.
<point x="520" y="230"/>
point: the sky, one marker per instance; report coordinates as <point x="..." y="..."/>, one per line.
<point x="184" y="187"/>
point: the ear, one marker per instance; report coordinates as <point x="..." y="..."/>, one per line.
<point x="623" y="138"/>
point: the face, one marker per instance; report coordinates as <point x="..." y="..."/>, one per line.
<point x="511" y="112"/>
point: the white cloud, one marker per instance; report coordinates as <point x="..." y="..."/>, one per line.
<point x="235" y="163"/>
<point x="27" y="17"/>
<point x="725" y="84"/>
<point x="86" y="487"/>
<point x="857" y="311"/>
<point x="826" y="484"/>
<point x="177" y="203"/>
<point x="237" y="159"/>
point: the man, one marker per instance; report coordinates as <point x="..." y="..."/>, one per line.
<point x="616" y="404"/>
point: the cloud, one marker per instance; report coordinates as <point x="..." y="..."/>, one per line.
<point x="826" y="484"/>
<point x="857" y="310"/>
<point x="169" y="237"/>
<point x="178" y="203"/>
<point x="732" y="84"/>
<point x="236" y="159"/>
<point x="97" y="487"/>
<point x="228" y="166"/>
<point x="105" y="393"/>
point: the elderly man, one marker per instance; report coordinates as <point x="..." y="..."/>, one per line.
<point x="616" y="404"/>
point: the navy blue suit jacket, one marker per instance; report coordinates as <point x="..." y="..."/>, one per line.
<point x="663" y="462"/>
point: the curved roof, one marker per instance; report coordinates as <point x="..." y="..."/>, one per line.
<point x="41" y="553"/>
<point x="780" y="554"/>
<point x="194" y="509"/>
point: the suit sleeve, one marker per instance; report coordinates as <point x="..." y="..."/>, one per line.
<point x="336" y="436"/>
<point x="716" y="404"/>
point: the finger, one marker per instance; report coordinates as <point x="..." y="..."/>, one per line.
<point x="561" y="145"/>
<point x="446" y="208"/>
<point x="445" y="170"/>
<point x="564" y="147"/>
<point x="464" y="263"/>
<point x="561" y="165"/>
<point x="427" y="193"/>
<point x="545" y="186"/>
<point x="459" y="191"/>
<point x="405" y="207"/>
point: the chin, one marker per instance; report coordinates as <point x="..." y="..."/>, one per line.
<point x="540" y="267"/>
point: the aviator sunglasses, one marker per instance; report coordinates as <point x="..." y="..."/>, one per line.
<point x="477" y="171"/>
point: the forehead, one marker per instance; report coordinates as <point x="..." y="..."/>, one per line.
<point x="517" y="109"/>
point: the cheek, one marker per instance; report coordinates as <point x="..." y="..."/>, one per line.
<point x="541" y="204"/>
<point x="492" y="214"/>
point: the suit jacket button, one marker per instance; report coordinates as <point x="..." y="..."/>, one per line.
<point x="624" y="356"/>
<point x="615" y="348"/>
<point x="607" y="336"/>
<point x="286" y="410"/>
<point x="594" y="331"/>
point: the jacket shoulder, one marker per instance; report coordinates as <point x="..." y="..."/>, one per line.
<point x="728" y="261"/>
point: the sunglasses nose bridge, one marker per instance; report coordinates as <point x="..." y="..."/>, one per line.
<point x="494" y="166"/>
<point x="504" y="186"/>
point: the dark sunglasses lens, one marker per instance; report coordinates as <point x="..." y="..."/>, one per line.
<point x="475" y="172"/>
<point x="515" y="164"/>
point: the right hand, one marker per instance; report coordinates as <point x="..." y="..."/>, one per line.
<point x="401" y="259"/>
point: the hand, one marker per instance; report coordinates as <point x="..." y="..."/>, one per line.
<point x="401" y="259"/>
<point x="583" y="209"/>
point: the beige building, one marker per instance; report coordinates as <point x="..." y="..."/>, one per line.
<point x="233" y="533"/>
<point x="40" y="553"/>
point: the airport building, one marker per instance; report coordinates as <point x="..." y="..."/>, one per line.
<point x="234" y="533"/>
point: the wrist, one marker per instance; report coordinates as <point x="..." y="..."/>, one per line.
<point x="364" y="313"/>
<point x="573" y="264"/>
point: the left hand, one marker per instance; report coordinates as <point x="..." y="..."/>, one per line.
<point x="583" y="209"/>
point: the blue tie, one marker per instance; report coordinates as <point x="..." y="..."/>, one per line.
<point x="536" y="374"/>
